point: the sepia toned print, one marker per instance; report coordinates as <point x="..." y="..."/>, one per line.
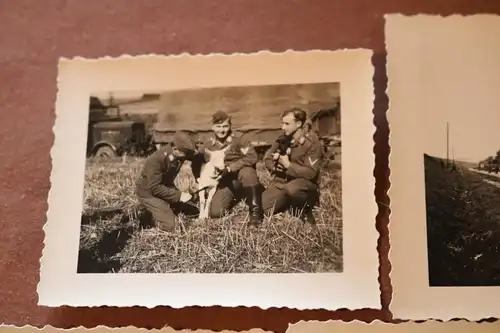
<point x="213" y="174"/>
<point x="215" y="180"/>
<point x="444" y="119"/>
<point x="302" y="326"/>
<point x="463" y="208"/>
<point x="377" y="326"/>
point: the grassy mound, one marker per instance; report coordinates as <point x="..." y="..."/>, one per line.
<point x="463" y="227"/>
<point x="115" y="235"/>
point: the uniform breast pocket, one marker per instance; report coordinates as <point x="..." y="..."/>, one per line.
<point x="297" y="156"/>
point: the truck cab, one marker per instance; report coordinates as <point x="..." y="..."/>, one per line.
<point x="490" y="165"/>
<point x="111" y="136"/>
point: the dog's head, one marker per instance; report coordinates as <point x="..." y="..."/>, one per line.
<point x="216" y="159"/>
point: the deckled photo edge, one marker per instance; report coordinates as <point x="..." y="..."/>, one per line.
<point x="381" y="326"/>
<point x="402" y="289"/>
<point x="298" y="327"/>
<point x="103" y="329"/>
<point x="389" y="116"/>
<point x="183" y="55"/>
<point x="53" y="176"/>
<point x="57" y="145"/>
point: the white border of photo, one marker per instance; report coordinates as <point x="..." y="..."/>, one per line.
<point x="427" y="56"/>
<point x="357" y="287"/>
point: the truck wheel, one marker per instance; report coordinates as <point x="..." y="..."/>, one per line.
<point x="105" y="152"/>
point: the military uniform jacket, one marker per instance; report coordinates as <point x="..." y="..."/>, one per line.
<point x="305" y="155"/>
<point x="158" y="175"/>
<point x="240" y="154"/>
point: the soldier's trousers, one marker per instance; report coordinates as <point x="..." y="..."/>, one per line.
<point x="163" y="213"/>
<point x="230" y="191"/>
<point x="279" y="197"/>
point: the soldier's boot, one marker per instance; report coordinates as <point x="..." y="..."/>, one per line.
<point x="308" y="216"/>
<point x="307" y="212"/>
<point x="253" y="195"/>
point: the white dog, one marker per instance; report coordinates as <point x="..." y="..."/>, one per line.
<point x="209" y="179"/>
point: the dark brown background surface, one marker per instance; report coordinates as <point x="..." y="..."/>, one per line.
<point x="35" y="33"/>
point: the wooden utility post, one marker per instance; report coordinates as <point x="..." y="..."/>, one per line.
<point x="447" y="143"/>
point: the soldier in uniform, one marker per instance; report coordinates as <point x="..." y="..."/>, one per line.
<point x="155" y="187"/>
<point x="239" y="177"/>
<point x="295" y="171"/>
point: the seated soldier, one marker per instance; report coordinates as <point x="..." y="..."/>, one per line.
<point x="239" y="178"/>
<point x="155" y="187"/>
<point x="295" y="170"/>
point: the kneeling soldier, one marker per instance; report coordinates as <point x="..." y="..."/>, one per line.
<point x="295" y="170"/>
<point x="239" y="178"/>
<point x="155" y="187"/>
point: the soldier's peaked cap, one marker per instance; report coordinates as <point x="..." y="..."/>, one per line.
<point x="219" y="117"/>
<point x="184" y="143"/>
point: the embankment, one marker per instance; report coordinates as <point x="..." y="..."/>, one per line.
<point x="463" y="227"/>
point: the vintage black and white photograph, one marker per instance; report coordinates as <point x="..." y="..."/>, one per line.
<point x="445" y="152"/>
<point x="181" y="172"/>
<point x="214" y="180"/>
<point x="463" y="203"/>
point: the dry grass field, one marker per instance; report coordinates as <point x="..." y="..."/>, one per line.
<point x="116" y="237"/>
<point x="463" y="226"/>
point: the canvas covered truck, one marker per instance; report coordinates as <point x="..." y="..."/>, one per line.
<point x="255" y="111"/>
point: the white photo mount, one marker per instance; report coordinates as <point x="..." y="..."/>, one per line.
<point x="357" y="287"/>
<point x="440" y="69"/>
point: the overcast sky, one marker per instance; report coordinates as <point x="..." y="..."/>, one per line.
<point x="463" y="89"/>
<point x="118" y="94"/>
<point x="122" y="95"/>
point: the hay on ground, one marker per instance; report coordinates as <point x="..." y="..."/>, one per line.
<point x="114" y="238"/>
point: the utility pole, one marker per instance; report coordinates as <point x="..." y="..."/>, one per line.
<point x="447" y="143"/>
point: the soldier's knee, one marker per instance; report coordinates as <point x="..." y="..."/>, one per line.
<point x="164" y="221"/>
<point x="247" y="172"/>
<point x="292" y="190"/>
<point x="215" y="211"/>
<point x="248" y="176"/>
<point x="218" y="209"/>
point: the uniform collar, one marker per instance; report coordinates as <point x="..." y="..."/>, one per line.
<point x="298" y="137"/>
<point x="228" y="140"/>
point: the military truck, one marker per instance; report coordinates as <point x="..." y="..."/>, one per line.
<point x="490" y="164"/>
<point x="255" y="111"/>
<point x="109" y="135"/>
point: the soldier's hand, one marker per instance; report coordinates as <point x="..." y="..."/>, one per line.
<point x="224" y="172"/>
<point x="284" y="161"/>
<point x="185" y="196"/>
<point x="276" y="156"/>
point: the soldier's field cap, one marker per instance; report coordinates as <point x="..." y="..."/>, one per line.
<point x="184" y="143"/>
<point x="219" y="117"/>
